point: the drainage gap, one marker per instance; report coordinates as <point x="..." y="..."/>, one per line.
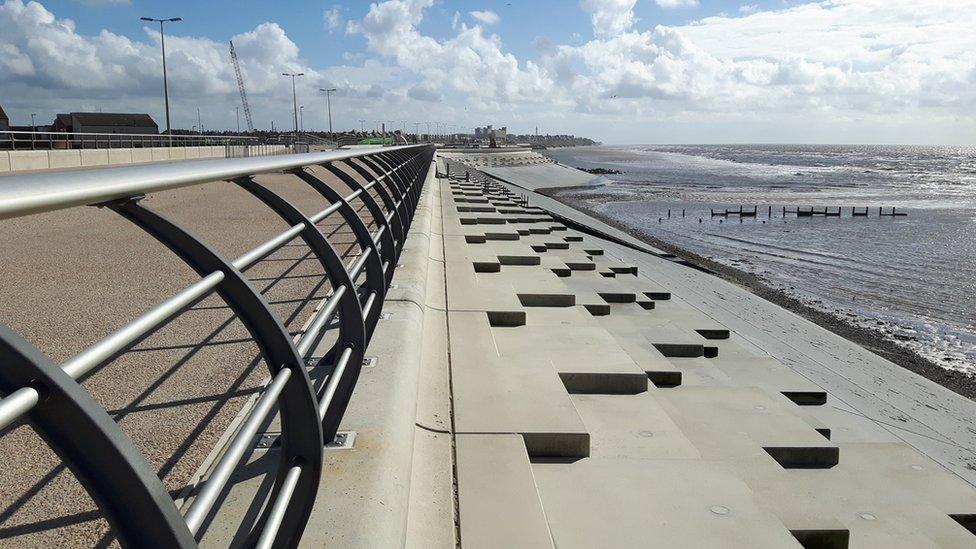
<point x="680" y="350"/>
<point x="807" y="398"/>
<point x="823" y="539"/>
<point x="968" y="521"/>
<point x="547" y="300"/>
<point x="506" y="319"/>
<point x="804" y="457"/>
<point x="714" y="333"/>
<point x="665" y="379"/>
<point x="598" y="309"/>
<point x="579" y="383"/>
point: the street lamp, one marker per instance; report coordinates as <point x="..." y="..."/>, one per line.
<point x="294" y="96"/>
<point x="328" y="101"/>
<point x="162" y="42"/>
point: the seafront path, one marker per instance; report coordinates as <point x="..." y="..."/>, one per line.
<point x="537" y="379"/>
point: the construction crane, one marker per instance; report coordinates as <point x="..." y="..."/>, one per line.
<point x="240" y="85"/>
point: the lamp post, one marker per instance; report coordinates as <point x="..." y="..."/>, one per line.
<point x="33" y="129"/>
<point x="162" y="42"/>
<point x="328" y="103"/>
<point x="294" y="96"/>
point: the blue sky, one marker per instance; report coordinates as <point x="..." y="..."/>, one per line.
<point x="220" y="19"/>
<point x="651" y="71"/>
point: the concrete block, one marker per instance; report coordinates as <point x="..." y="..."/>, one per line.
<point x="4" y="161"/>
<point x="119" y="156"/>
<point x="602" y="502"/>
<point x="94" y="157"/>
<point x="141" y="155"/>
<point x="64" y="159"/>
<point x="497" y="498"/>
<point x="160" y="154"/>
<point x="29" y="160"/>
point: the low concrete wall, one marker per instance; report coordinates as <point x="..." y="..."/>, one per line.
<point x="23" y="161"/>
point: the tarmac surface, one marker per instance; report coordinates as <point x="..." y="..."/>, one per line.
<point x="73" y="276"/>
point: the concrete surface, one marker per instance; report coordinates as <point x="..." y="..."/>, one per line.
<point x="734" y="440"/>
<point x="527" y="169"/>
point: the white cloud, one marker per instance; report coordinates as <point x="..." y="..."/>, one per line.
<point x="470" y="62"/>
<point x="332" y="19"/>
<point x="748" y="8"/>
<point x="423" y="92"/>
<point x="485" y="17"/>
<point x="47" y="67"/>
<point x="609" y="17"/>
<point x="837" y="67"/>
<point x="455" y="20"/>
<point x="676" y="3"/>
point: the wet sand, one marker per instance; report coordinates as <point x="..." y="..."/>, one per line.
<point x="953" y="380"/>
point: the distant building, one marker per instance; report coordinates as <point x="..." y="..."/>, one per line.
<point x="4" y="121"/>
<point x="108" y="122"/>
<point x="500" y="135"/>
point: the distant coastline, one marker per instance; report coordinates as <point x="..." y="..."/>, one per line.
<point x="873" y="341"/>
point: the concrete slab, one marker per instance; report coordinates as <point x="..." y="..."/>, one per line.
<point x="674" y="504"/>
<point x="496" y="494"/>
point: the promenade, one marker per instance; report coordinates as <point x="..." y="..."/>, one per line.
<point x="536" y="379"/>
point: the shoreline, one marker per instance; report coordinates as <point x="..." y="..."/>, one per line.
<point x="955" y="381"/>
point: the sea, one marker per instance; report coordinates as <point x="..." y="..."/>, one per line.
<point x="911" y="278"/>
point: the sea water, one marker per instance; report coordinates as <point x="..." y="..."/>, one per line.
<point x="911" y="278"/>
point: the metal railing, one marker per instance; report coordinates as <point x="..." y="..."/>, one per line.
<point x="116" y="475"/>
<point x="27" y="140"/>
<point x="313" y="139"/>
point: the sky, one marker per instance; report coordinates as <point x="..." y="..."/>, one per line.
<point x="619" y="71"/>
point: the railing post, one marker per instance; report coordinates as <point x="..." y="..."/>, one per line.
<point x="378" y="277"/>
<point x="301" y="432"/>
<point x="394" y="185"/>
<point x="401" y="169"/>
<point x="352" y="332"/>
<point x="393" y="236"/>
<point x="394" y="204"/>
<point x="102" y="457"/>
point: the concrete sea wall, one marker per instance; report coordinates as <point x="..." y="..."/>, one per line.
<point x="17" y="161"/>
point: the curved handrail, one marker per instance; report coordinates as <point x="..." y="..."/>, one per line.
<point x="307" y="414"/>
<point x="41" y="192"/>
